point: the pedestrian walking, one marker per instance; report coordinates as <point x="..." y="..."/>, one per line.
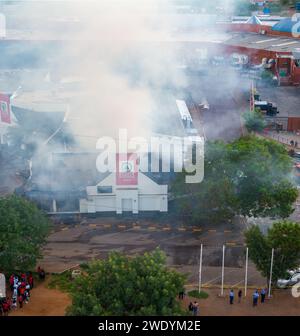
<point x="296" y="144"/>
<point x="231" y="297"/>
<point x="262" y="295"/>
<point x="255" y="298"/>
<point x="240" y="295"/>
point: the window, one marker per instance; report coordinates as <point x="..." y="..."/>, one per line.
<point x="104" y="189"/>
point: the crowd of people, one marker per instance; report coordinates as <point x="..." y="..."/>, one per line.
<point x="20" y="287"/>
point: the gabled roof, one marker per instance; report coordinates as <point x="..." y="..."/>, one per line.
<point x="254" y="20"/>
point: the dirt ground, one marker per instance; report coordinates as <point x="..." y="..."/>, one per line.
<point x="69" y="245"/>
<point x="44" y="302"/>
<point x="52" y="302"/>
<point x="282" y="303"/>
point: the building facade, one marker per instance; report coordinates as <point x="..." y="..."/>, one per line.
<point x="109" y="196"/>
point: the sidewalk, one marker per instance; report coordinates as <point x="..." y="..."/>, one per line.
<point x="283" y="137"/>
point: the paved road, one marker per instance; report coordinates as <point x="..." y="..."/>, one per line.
<point x="71" y="245"/>
<point x="227" y="96"/>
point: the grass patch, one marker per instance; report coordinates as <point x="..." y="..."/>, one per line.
<point x="61" y="281"/>
<point x="202" y="295"/>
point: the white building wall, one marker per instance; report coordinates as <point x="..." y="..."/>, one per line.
<point x="146" y="196"/>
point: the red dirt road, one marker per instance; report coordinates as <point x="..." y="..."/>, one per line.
<point x="52" y="302"/>
<point x="44" y="302"/>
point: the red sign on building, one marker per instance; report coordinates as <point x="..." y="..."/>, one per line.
<point x="127" y="169"/>
<point x="5" y="109"/>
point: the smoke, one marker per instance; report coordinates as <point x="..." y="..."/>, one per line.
<point x="121" y="64"/>
<point x="125" y="56"/>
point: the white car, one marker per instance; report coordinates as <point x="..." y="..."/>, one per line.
<point x="292" y="280"/>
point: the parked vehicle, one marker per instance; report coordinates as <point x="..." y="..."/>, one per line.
<point x="2" y="286"/>
<point x="294" y="277"/>
<point x="268" y="107"/>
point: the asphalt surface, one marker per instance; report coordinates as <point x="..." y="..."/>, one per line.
<point x="227" y="95"/>
<point x="70" y="245"/>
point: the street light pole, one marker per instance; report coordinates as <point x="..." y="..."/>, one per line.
<point x="246" y="271"/>
<point x="200" y="268"/>
<point x="271" y="271"/>
<point x="223" y="262"/>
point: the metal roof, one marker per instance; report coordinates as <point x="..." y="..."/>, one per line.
<point x="264" y="42"/>
<point x="288" y="25"/>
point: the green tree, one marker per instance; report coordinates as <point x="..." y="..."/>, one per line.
<point x="122" y="285"/>
<point x="284" y="237"/>
<point x="254" y="121"/>
<point x="249" y="177"/>
<point x="23" y="230"/>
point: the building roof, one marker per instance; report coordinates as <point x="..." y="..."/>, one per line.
<point x="288" y="25"/>
<point x="264" y="42"/>
<point x="254" y="20"/>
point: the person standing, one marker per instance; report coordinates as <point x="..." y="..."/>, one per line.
<point x="181" y="294"/>
<point x="11" y="282"/>
<point x="262" y="295"/>
<point x="20" y="299"/>
<point x="30" y="280"/>
<point x="195" y="308"/>
<point x="240" y="295"/>
<point x="255" y="298"/>
<point x="191" y="306"/>
<point x="231" y="296"/>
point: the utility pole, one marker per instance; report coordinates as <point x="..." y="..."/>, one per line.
<point x="223" y="262"/>
<point x="200" y="268"/>
<point x="271" y="271"/>
<point x="246" y="271"/>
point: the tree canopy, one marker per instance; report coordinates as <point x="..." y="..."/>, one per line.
<point x="254" y="121"/>
<point x="250" y="176"/>
<point x="122" y="285"/>
<point x="284" y="237"/>
<point x="23" y="230"/>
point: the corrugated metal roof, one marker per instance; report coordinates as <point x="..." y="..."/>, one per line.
<point x="288" y="25"/>
<point x="264" y="42"/>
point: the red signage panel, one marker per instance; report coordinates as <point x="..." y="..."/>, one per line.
<point x="127" y="169"/>
<point x="5" y="109"/>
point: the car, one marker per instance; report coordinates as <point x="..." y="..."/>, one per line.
<point x="290" y="281"/>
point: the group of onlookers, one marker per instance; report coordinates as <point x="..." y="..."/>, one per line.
<point x="255" y="296"/>
<point x="20" y="286"/>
